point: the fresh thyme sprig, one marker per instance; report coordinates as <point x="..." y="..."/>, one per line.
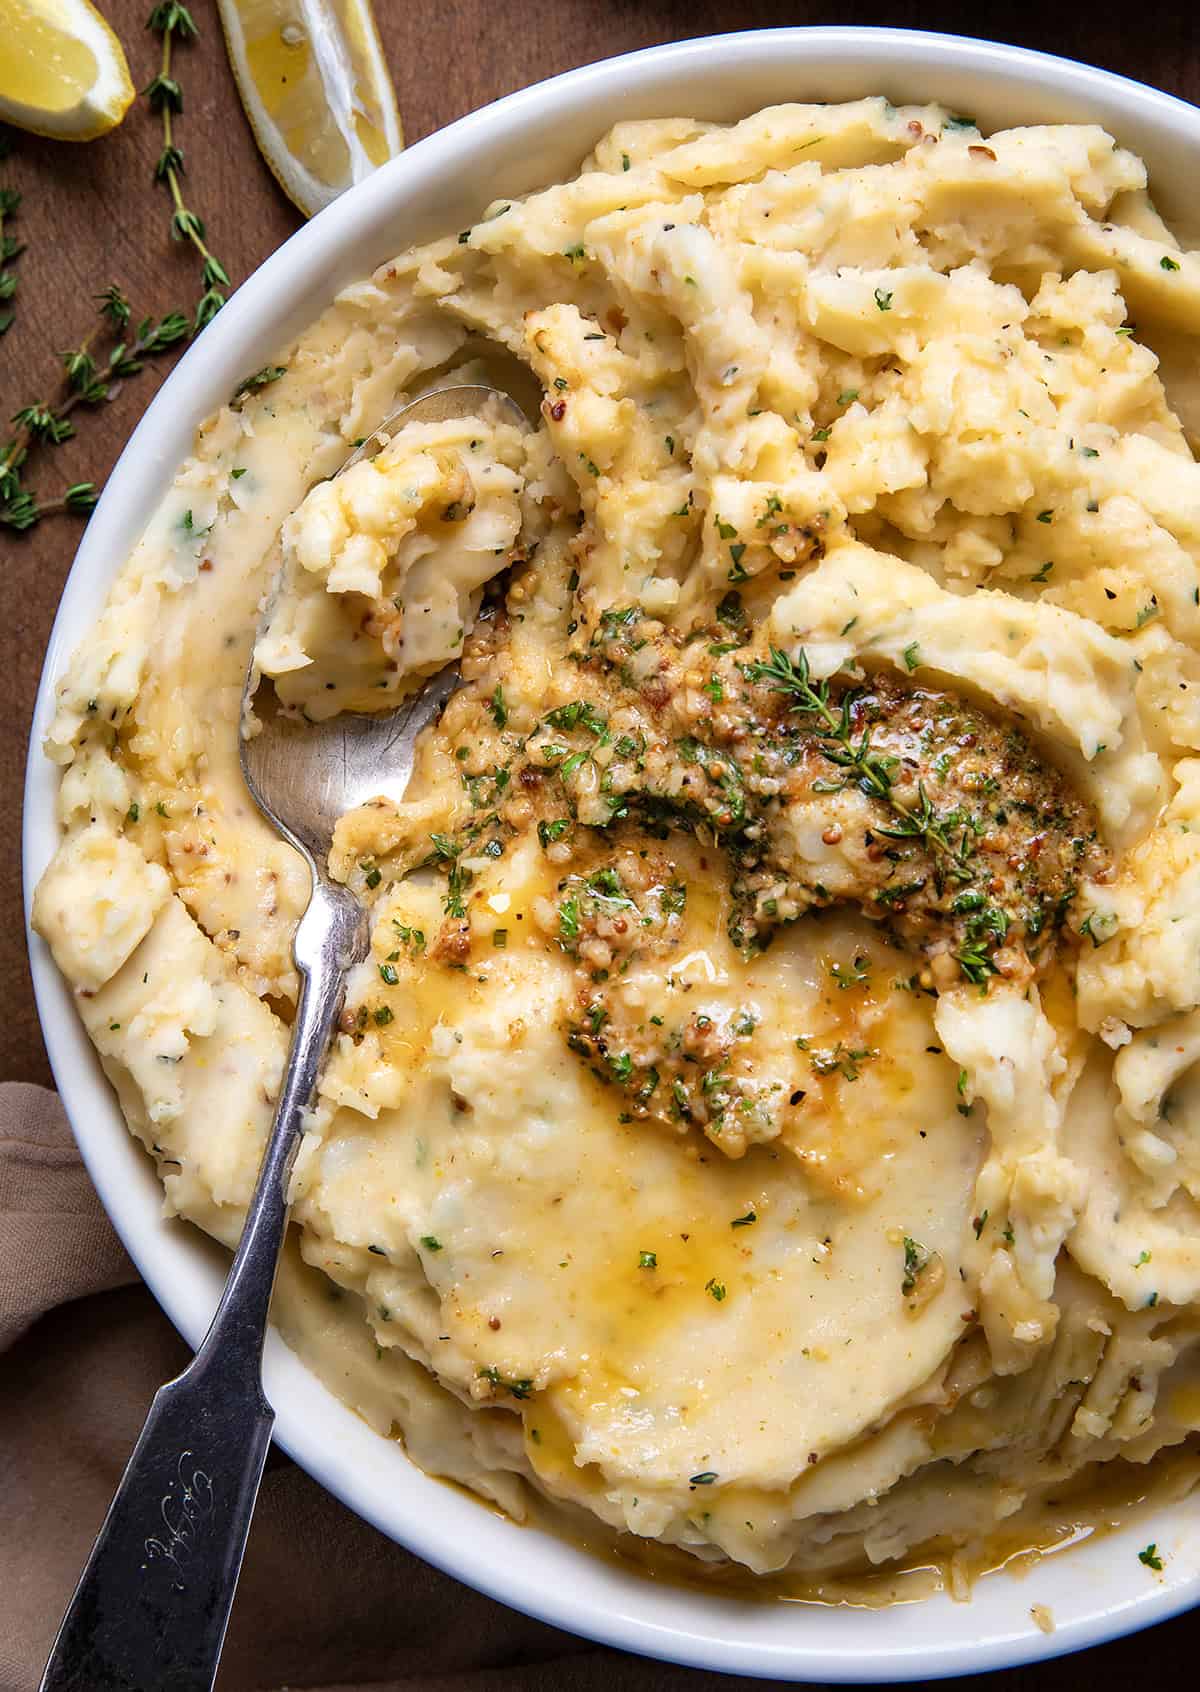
<point x="172" y="21"/>
<point x="80" y="498"/>
<point x="10" y="248"/>
<point x="93" y="377"/>
<point x="924" y="823"/>
<point x="975" y="960"/>
<point x="985" y="927"/>
<point x="873" y="770"/>
<point x="90" y="380"/>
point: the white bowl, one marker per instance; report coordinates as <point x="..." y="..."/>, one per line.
<point x="1096" y="1592"/>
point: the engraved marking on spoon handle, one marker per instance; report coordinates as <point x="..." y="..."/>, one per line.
<point x="152" y="1605"/>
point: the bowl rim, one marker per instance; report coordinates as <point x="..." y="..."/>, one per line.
<point x="180" y="1268"/>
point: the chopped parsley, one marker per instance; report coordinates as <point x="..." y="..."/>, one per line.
<point x="1096" y="920"/>
<point x="549" y="832"/>
<point x="568" y="921"/>
<point x="674" y="898"/>
<point x="857" y="975"/>
<point x="840" y="1060"/>
<point x="621" y="1065"/>
<point x="522" y="1388"/>
<point x="459" y="879"/>
<point x="578" y="714"/>
<point x="260" y="379"/>
<point x="731" y="611"/>
<point x="916" y="1261"/>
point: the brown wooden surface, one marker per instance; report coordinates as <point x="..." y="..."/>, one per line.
<point x="91" y="215"/>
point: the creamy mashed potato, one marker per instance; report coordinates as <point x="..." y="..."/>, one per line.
<point x="394" y="549"/>
<point x="768" y="1119"/>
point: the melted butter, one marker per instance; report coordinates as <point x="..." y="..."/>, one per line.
<point x="1183" y="1406"/>
<point x="706" y="914"/>
<point x="869" y="1076"/>
<point x="550" y="1449"/>
<point x="1057" y="993"/>
<point x="682" y="1260"/>
<point x="700" y="1262"/>
<point x="1100" y="1500"/>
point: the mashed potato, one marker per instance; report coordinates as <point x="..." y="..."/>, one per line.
<point x="767" y="1121"/>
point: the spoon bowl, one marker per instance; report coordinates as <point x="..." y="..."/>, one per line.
<point x="304" y="775"/>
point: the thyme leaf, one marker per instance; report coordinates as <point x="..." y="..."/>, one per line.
<point x="173" y="22"/>
<point x="872" y="770"/>
<point x="90" y="379"/>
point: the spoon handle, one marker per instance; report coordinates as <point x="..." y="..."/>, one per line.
<point x="151" y="1608"/>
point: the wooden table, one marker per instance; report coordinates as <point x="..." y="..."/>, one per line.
<point x="92" y="214"/>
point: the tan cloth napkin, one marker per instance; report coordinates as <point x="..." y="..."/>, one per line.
<point x="325" y="1604"/>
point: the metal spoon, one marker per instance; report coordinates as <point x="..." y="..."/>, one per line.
<point x="152" y="1605"/>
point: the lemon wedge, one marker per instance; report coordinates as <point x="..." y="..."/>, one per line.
<point x="316" y="89"/>
<point x="62" y="70"/>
